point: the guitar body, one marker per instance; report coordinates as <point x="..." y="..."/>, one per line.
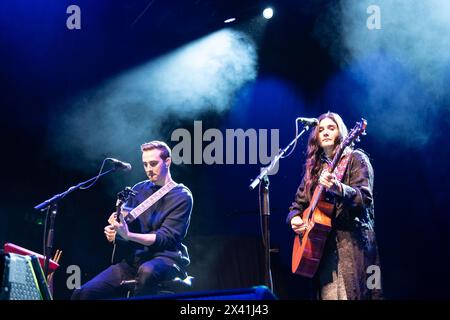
<point x="308" y="248"/>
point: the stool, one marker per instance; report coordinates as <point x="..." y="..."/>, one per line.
<point x="178" y="284"/>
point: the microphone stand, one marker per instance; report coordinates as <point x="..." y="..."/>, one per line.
<point x="51" y="205"/>
<point x="265" y="212"/>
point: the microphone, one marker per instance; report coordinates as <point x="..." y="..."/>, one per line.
<point x="119" y="164"/>
<point x="308" y="121"/>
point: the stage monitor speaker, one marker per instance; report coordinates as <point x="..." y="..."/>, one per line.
<point x="252" y="293"/>
<point x="22" y="278"/>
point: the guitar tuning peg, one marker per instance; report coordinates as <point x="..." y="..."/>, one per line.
<point x="364" y="133"/>
<point x="358" y="140"/>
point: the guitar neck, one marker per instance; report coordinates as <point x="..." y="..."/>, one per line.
<point x="119" y="205"/>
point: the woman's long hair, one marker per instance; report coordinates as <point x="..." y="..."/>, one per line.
<point x="314" y="151"/>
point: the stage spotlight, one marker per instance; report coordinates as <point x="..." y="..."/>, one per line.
<point x="268" y="13"/>
<point x="230" y="20"/>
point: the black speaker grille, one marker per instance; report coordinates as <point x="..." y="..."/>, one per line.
<point x="19" y="281"/>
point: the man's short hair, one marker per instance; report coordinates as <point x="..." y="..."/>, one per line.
<point x="162" y="146"/>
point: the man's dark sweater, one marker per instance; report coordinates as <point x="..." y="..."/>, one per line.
<point x="168" y="218"/>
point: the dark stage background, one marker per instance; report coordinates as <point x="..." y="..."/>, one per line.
<point x="62" y="115"/>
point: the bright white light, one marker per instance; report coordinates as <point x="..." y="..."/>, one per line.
<point x="268" y="13"/>
<point x="230" y="20"/>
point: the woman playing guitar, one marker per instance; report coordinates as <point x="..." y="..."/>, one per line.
<point x="333" y="215"/>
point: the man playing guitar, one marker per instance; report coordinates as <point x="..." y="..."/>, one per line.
<point x="162" y="209"/>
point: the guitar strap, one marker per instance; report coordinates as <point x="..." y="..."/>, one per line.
<point x="151" y="200"/>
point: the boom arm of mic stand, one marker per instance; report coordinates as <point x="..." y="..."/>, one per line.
<point x="274" y="161"/>
<point x="57" y="197"/>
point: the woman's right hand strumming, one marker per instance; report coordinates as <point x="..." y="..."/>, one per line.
<point x="298" y="225"/>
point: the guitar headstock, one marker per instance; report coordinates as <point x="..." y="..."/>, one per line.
<point x="354" y="135"/>
<point x="126" y="194"/>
